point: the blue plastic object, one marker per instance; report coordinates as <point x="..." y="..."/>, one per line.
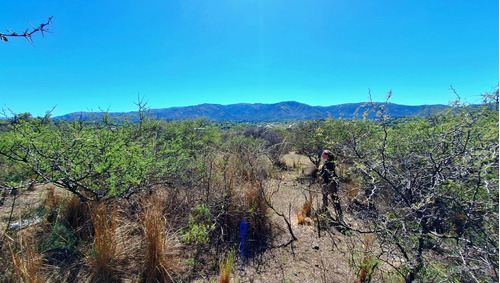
<point x="243" y="235"/>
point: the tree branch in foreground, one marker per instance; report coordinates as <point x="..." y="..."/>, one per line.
<point x="28" y="33"/>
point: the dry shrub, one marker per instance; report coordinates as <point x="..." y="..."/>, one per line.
<point x="241" y="175"/>
<point x="27" y="263"/>
<point x="52" y="199"/>
<point x="103" y="258"/>
<point x="159" y="265"/>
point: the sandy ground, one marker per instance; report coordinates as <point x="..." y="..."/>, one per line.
<point x="311" y="258"/>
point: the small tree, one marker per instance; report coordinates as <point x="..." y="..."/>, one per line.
<point x="310" y="139"/>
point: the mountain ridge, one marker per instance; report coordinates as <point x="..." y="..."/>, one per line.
<point x="261" y="112"/>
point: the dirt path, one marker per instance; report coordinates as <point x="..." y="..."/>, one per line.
<point x="311" y="258"/>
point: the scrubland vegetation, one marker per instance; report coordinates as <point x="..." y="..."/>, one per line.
<point x="140" y="200"/>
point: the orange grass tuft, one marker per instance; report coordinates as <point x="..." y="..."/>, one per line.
<point x="306" y="209"/>
<point x="301" y="219"/>
<point x="304" y="213"/>
<point x="158" y="266"/>
<point x="226" y="266"/>
<point x="102" y="259"/>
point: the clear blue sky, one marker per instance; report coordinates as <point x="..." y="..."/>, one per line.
<point x="104" y="54"/>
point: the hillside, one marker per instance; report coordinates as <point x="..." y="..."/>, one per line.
<point x="258" y="112"/>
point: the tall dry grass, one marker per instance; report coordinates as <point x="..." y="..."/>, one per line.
<point x="159" y="266"/>
<point x="255" y="209"/>
<point x="52" y="199"/>
<point x="51" y="204"/>
<point x="76" y="215"/>
<point x="27" y="262"/>
<point x="102" y="259"/>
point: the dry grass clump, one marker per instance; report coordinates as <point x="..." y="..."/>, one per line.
<point x="255" y="206"/>
<point x="305" y="212"/>
<point x="102" y="259"/>
<point x="51" y="204"/>
<point x="226" y="267"/>
<point x="160" y="266"/>
<point x="27" y="262"/>
<point x="76" y="214"/>
<point x="52" y="199"/>
<point x="238" y="192"/>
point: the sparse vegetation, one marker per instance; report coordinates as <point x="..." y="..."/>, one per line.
<point x="419" y="198"/>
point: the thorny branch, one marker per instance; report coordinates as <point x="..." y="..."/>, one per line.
<point x="27" y="33"/>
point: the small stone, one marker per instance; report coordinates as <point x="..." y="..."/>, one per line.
<point x="315" y="246"/>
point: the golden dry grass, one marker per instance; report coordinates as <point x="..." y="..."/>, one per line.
<point x="226" y="267"/>
<point x="368" y="261"/>
<point x="103" y="257"/>
<point x="27" y="262"/>
<point x="159" y="267"/>
<point x="134" y="243"/>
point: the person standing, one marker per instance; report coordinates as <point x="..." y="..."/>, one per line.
<point x="328" y="178"/>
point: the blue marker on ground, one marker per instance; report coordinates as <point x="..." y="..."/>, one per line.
<point x="243" y="235"/>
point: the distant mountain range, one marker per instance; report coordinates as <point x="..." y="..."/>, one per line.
<point x="258" y="112"/>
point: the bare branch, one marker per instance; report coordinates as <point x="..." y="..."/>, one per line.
<point x="27" y="34"/>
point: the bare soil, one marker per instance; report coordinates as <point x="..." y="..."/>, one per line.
<point x="313" y="257"/>
<point x="21" y="207"/>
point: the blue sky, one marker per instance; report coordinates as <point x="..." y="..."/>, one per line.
<point x="104" y="54"/>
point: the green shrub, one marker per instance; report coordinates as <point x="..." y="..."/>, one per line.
<point x="199" y="226"/>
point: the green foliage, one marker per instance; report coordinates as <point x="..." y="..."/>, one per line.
<point x="107" y="159"/>
<point x="199" y="226"/>
<point x="61" y="240"/>
<point x="13" y="174"/>
<point x="430" y="182"/>
<point x="310" y="139"/>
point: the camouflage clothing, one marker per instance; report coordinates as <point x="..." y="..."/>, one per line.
<point x="327" y="172"/>
<point x="330" y="187"/>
